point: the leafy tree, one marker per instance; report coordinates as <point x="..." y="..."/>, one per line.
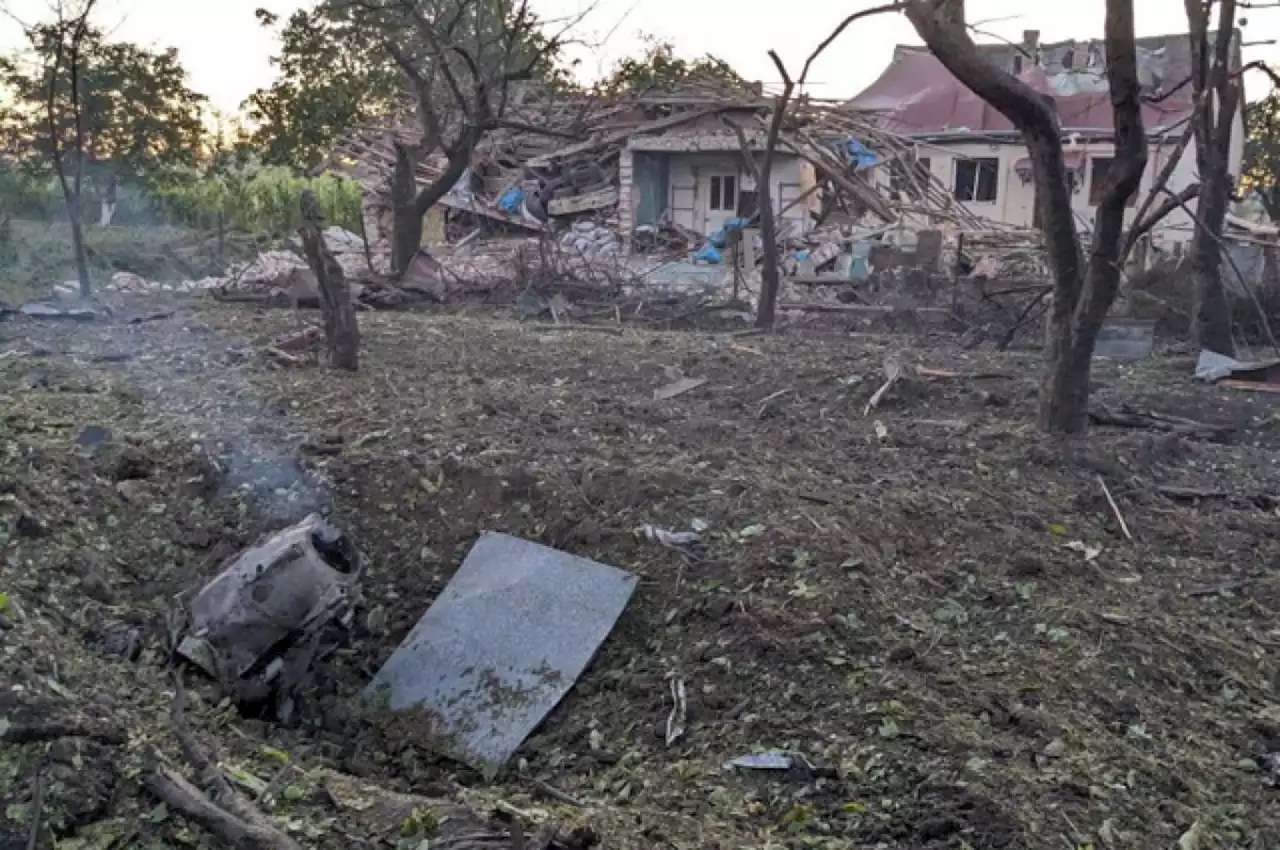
<point x="337" y="73"/>
<point x="334" y="76"/>
<point x="1262" y="151"/>
<point x="135" y="120"/>
<point x="658" y="70"/>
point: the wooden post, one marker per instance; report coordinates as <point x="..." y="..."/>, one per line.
<point x="341" y="329"/>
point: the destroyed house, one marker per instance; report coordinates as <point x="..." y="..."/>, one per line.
<point x="975" y="152"/>
<point x="669" y="161"/>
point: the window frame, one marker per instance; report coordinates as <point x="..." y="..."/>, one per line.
<point x="975" y="185"/>
<point x="724" y="193"/>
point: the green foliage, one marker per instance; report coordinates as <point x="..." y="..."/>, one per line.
<point x="140" y="118"/>
<point x="259" y="201"/>
<point x="1262" y="151"/>
<point x="337" y="71"/>
<point x="334" y="76"/>
<point x="659" y="70"/>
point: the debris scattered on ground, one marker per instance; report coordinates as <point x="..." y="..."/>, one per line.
<point x="820" y="587"/>
<point x="677" y="388"/>
<point x="676" y="539"/>
<point x="679" y="711"/>
<point x="1260" y="376"/>
<point x="42" y="310"/>
<point x="501" y="646"/>
<point x="303" y="340"/>
<point x="260" y="624"/>
<point x="792" y="764"/>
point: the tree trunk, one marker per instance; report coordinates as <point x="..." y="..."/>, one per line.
<point x="107" y="213"/>
<point x="406" y="230"/>
<point x="1082" y="294"/>
<point x="1211" y="327"/>
<point x="770" y="277"/>
<point x="341" y="328"/>
<point x="76" y="218"/>
<point x="1217" y="101"/>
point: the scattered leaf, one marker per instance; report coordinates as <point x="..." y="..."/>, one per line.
<point x="951" y="612"/>
<point x="279" y="755"/>
<point x="1090" y="553"/>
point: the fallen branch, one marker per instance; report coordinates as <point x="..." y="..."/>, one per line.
<point x="893" y="372"/>
<point x="1189" y="494"/>
<point x="556" y="794"/>
<point x="233" y="819"/>
<point x="37" y="811"/>
<point x="1128" y="418"/>
<point x="1215" y="589"/>
<point x="1115" y="509"/>
<point x="30" y="733"/>
<point x="611" y="330"/>
<point x="183" y="797"/>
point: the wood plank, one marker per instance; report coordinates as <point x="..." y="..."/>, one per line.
<point x="581" y="203"/>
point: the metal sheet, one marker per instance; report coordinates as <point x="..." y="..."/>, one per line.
<point x="502" y="645"/>
<point x="1125" y="339"/>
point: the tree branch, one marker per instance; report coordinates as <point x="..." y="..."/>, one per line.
<point x="895" y="6"/>
<point x="1143" y="226"/>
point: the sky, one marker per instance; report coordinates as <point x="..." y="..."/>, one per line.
<point x="227" y="53"/>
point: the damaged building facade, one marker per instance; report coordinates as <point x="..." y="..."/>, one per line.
<point x="972" y="149"/>
<point x="695" y="178"/>
<point x="670" y="162"/>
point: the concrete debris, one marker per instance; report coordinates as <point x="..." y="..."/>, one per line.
<point x="261" y="623"/>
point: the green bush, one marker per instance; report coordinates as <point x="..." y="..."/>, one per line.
<point x="259" y="201"/>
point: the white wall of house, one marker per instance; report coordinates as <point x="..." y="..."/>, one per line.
<point x="1015" y="199"/>
<point x="692" y="194"/>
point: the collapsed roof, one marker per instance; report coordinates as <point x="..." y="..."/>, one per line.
<point x="563" y="152"/>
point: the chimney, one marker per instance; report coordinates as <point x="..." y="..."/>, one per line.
<point x="1031" y="39"/>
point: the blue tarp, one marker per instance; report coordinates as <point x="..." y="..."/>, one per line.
<point x="709" y="254"/>
<point x="859" y="154"/>
<point x="511" y="200"/>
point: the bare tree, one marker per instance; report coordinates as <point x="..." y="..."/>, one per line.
<point x="460" y="58"/>
<point x="341" y="327"/>
<point x="771" y="278"/>
<point x="1217" y="92"/>
<point x="762" y="172"/>
<point x="1084" y="290"/>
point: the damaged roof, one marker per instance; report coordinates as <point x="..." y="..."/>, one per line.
<point x="919" y="96"/>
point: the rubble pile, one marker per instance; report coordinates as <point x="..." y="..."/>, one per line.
<point x="591" y="242"/>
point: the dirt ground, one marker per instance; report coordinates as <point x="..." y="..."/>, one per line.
<point x="934" y="603"/>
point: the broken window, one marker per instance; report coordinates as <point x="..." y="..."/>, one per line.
<point x="724" y="194"/>
<point x="977" y="179"/>
<point x="1098" y="181"/>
